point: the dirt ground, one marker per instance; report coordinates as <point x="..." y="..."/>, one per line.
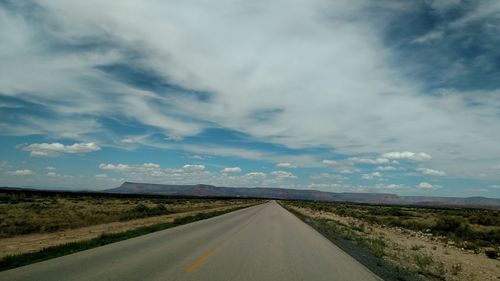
<point x="403" y="245"/>
<point x="33" y="242"/>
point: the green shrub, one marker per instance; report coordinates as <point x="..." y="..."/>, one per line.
<point x="492" y="254"/>
<point x="448" y="225"/>
<point x="423" y="261"/>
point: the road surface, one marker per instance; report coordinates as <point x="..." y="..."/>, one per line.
<point x="263" y="242"/>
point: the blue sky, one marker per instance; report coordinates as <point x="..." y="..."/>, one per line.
<point x="343" y="96"/>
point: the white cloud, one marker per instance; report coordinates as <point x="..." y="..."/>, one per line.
<point x="377" y="161"/>
<point x="431" y="172"/>
<point x="286" y="165"/>
<point x="327" y="176"/>
<point x="22" y="172"/>
<point x="118" y="167"/>
<point x="348" y="171"/>
<point x="330" y="162"/>
<point x="129" y="168"/>
<point x="387" y="168"/>
<point x="256" y="175"/>
<point x="151" y="165"/>
<point x="101" y="176"/>
<point x="230" y="170"/>
<point x="371" y="176"/>
<point x="390" y="186"/>
<point x="283" y="175"/>
<point x="50" y="168"/>
<point x="56" y="149"/>
<point x="407" y="155"/>
<point x="241" y="81"/>
<point x="193" y="168"/>
<point x="51" y="174"/>
<point x="425" y="185"/>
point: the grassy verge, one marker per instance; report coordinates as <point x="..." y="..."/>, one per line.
<point x="367" y="251"/>
<point x="65" y="249"/>
<point x="28" y="211"/>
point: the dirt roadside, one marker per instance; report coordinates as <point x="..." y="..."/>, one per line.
<point x="403" y="245"/>
<point x="33" y="242"/>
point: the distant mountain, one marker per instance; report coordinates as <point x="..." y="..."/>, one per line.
<point x="283" y="193"/>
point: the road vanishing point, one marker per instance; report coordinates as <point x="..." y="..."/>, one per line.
<point x="263" y="242"/>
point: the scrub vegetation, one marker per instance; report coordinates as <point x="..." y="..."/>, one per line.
<point x="28" y="212"/>
<point x="13" y="261"/>
<point x="408" y="243"/>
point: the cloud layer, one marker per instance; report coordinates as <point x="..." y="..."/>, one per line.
<point x="56" y="149"/>
<point x="342" y="84"/>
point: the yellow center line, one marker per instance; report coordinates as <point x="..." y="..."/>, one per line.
<point x="198" y="262"/>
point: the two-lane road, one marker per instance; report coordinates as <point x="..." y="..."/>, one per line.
<point x="264" y="242"/>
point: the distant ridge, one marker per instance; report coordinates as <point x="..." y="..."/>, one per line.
<point x="299" y="194"/>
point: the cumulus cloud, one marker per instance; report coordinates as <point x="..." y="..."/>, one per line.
<point x="407" y="155"/>
<point x="52" y="174"/>
<point x="101" y="176"/>
<point x="50" y="168"/>
<point x="283" y="175"/>
<point x="256" y="175"/>
<point x="230" y="170"/>
<point x="327" y="176"/>
<point x="22" y="172"/>
<point x="285" y="165"/>
<point x="431" y="172"/>
<point x="130" y="168"/>
<point x="371" y="176"/>
<point x="193" y="167"/>
<point x="390" y="186"/>
<point x="387" y="168"/>
<point x="425" y="186"/>
<point x="377" y="161"/>
<point x="57" y="149"/>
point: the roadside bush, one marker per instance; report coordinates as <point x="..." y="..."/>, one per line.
<point x="452" y="226"/>
<point x="456" y="268"/>
<point x="422" y="261"/>
<point x="492" y="254"/>
<point x="488" y="219"/>
<point x="143" y="211"/>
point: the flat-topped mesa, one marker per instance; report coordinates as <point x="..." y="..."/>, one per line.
<point x="205" y="190"/>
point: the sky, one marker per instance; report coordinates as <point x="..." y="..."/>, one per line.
<point x="382" y="96"/>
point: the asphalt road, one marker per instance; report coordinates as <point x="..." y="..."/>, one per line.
<point x="264" y="242"/>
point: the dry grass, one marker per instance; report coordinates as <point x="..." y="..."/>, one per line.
<point x="27" y="213"/>
<point x="434" y="255"/>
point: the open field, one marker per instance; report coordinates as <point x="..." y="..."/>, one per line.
<point x="436" y="244"/>
<point x="32" y="221"/>
<point x="28" y="212"/>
